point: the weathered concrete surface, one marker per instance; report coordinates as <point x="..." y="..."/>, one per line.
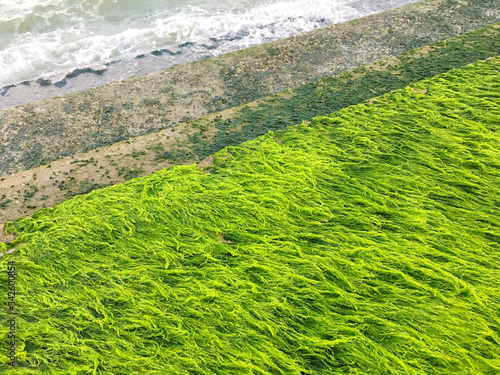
<point x="24" y="192"/>
<point x="38" y="133"/>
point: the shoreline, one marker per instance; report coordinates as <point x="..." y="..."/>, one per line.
<point x="81" y="77"/>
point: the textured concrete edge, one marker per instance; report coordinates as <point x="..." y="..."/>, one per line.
<point x="41" y="132"/>
<point x="24" y="192"/>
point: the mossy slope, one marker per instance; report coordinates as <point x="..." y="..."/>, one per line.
<point x="367" y="242"/>
<point x="193" y="141"/>
<point x="337" y="92"/>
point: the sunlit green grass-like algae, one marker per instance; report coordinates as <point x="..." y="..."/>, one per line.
<point x="365" y="242"/>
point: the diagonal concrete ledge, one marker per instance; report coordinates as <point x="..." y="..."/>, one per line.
<point x="24" y="192"/>
<point x="35" y="134"/>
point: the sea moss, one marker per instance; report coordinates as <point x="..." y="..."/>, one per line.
<point x="364" y="242"/>
<point x="333" y="93"/>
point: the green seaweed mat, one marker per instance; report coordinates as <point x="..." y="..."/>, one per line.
<point x="367" y="242"/>
<point x="334" y="93"/>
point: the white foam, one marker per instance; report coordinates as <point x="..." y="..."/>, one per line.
<point x="50" y="37"/>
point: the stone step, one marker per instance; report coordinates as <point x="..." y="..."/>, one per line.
<point x="24" y="192"/>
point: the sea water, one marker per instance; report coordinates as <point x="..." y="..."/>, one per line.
<point x="49" y="39"/>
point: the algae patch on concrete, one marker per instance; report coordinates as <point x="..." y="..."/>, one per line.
<point x="24" y="192"/>
<point x="366" y="241"/>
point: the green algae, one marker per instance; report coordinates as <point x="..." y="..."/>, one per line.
<point x="365" y="242"/>
<point x="333" y="93"/>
